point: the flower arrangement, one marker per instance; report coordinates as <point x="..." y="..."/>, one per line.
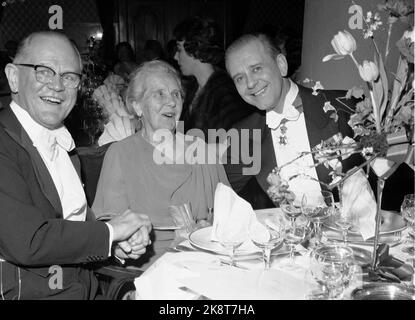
<point x="383" y="120"/>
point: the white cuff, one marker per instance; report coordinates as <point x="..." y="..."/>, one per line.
<point x="111" y="230"/>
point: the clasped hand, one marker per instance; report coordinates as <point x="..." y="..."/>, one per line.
<point x="131" y="234"/>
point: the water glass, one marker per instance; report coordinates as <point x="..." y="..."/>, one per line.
<point x="332" y="266"/>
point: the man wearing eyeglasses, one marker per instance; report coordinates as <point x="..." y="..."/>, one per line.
<point x="48" y="235"/>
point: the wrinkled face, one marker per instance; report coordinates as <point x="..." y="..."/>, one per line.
<point x="258" y="76"/>
<point x="162" y="103"/>
<point x="47" y="104"/>
<point x="185" y="61"/>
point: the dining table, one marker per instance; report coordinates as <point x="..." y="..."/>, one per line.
<point x="198" y="268"/>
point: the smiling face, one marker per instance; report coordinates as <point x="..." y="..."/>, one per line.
<point x="47" y="104"/>
<point x="185" y="61"/>
<point x="162" y="103"/>
<point x="258" y="76"/>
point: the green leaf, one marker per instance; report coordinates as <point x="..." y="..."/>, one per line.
<point x="384" y="81"/>
<point x="398" y="85"/>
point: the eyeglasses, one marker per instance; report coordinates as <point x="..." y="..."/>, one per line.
<point x="46" y="75"/>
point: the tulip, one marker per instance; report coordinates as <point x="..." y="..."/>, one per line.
<point x="343" y="43"/>
<point x="368" y="71"/>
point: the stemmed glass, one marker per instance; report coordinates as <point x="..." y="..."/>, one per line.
<point x="345" y="223"/>
<point x="317" y="208"/>
<point x="343" y="220"/>
<point x="291" y="211"/>
<point x="332" y="266"/>
<point x="231" y="239"/>
<point x="408" y="213"/>
<point x="266" y="235"/>
<point x="294" y="235"/>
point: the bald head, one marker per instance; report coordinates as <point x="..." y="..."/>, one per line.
<point x="25" y="47"/>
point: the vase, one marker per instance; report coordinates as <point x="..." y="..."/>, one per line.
<point x="383" y="169"/>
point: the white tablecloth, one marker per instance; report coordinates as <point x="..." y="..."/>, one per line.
<point x="194" y="275"/>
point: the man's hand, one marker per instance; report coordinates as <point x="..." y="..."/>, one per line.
<point x="128" y="223"/>
<point x="134" y="247"/>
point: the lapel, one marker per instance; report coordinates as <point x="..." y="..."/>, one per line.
<point x="15" y="130"/>
<point x="319" y="127"/>
<point x="268" y="160"/>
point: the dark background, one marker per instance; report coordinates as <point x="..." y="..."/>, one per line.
<point x="136" y="21"/>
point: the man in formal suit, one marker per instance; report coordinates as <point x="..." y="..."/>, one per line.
<point x="48" y="235"/>
<point x="291" y="120"/>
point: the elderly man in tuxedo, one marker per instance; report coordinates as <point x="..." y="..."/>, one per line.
<point x="291" y="119"/>
<point x="48" y="235"/>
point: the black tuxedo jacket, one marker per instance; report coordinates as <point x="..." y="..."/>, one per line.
<point x="33" y="234"/>
<point x="320" y="126"/>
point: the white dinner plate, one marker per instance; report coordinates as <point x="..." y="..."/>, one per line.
<point x="165" y="228"/>
<point x="201" y="239"/>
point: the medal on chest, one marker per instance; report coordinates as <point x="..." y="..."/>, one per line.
<point x="282" y="139"/>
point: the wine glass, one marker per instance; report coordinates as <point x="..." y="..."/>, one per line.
<point x="317" y="208"/>
<point x="345" y="222"/>
<point x="231" y="238"/>
<point x="408" y="213"/>
<point x="291" y="211"/>
<point x="332" y="266"/>
<point x="293" y="236"/>
<point x="266" y="234"/>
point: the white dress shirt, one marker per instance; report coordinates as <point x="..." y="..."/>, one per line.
<point x="53" y="147"/>
<point x="296" y="142"/>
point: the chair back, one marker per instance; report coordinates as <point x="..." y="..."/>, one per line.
<point x="91" y="163"/>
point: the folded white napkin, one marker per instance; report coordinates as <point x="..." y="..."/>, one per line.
<point x="233" y="217"/>
<point x="359" y="201"/>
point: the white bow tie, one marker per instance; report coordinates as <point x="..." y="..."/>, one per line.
<point x="48" y="140"/>
<point x="273" y="119"/>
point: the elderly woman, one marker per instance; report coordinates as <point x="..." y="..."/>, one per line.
<point x="148" y="175"/>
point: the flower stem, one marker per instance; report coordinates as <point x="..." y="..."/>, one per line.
<point x="354" y="60"/>
<point x="387" y="41"/>
<point x="375" y="112"/>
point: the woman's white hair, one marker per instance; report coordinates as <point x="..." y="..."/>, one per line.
<point x="136" y="88"/>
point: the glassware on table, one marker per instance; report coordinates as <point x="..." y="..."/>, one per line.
<point x="294" y="235"/>
<point x="408" y="213"/>
<point x="231" y="239"/>
<point x="343" y="219"/>
<point x="332" y="266"/>
<point x="266" y="235"/>
<point x="291" y="211"/>
<point x="345" y="222"/>
<point x="317" y="208"/>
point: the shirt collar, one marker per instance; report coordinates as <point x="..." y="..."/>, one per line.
<point x="273" y="119"/>
<point x="37" y="132"/>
